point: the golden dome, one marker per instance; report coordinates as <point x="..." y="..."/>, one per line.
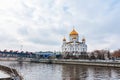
<point x="64" y="39"/>
<point x="73" y="32"/>
<point x="83" y="39"/>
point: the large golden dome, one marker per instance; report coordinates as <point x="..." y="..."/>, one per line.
<point x="73" y="32"/>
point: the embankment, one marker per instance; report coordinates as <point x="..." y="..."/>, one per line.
<point x="81" y="62"/>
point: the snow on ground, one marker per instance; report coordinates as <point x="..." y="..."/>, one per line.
<point x="3" y="75"/>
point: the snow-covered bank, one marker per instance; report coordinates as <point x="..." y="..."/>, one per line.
<point x="3" y="75"/>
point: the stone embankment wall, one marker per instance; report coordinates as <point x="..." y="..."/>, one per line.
<point x="12" y="72"/>
<point x="81" y="62"/>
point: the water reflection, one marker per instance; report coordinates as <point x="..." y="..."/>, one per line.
<point x="100" y="73"/>
<point x="77" y="72"/>
<point x="74" y="72"/>
<point x="39" y="71"/>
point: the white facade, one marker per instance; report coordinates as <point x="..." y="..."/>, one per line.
<point x="73" y="46"/>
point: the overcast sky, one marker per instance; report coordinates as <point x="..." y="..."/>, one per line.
<point x="40" y="25"/>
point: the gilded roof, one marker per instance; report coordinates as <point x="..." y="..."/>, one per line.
<point x="83" y="39"/>
<point x="74" y="32"/>
<point x="64" y="39"/>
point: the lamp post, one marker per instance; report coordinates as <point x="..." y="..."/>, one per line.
<point x="21" y="45"/>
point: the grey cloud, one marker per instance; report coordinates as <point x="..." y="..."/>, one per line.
<point x="41" y="36"/>
<point x="58" y="31"/>
<point x="44" y="22"/>
<point x="23" y="31"/>
<point x="44" y="41"/>
<point x="7" y="38"/>
<point x="44" y="38"/>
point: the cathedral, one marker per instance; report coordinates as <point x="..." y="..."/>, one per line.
<point x="74" y="47"/>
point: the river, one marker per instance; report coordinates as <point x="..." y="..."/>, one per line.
<point x="41" y="71"/>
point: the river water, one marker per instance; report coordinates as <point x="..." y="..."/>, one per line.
<point x="41" y="71"/>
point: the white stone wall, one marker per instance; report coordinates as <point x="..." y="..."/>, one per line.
<point x="74" y="47"/>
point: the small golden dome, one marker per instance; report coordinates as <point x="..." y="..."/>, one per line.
<point x="83" y="40"/>
<point x="64" y="39"/>
<point x="73" y="32"/>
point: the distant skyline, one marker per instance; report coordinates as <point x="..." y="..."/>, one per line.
<point x="40" y="25"/>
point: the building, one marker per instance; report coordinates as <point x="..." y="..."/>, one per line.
<point x="74" y="47"/>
